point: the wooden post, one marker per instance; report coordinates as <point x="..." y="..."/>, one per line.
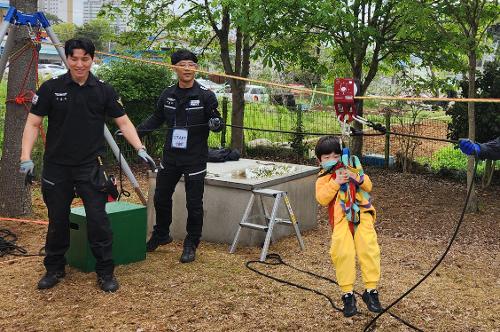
<point x="224" y="117"/>
<point x="387" y="149"/>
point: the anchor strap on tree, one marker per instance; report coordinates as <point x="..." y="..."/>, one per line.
<point x="26" y="96"/>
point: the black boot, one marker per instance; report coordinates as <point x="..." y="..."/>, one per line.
<point x="108" y="283"/>
<point x="349" y="305"/>
<point x="371" y="300"/>
<point x="154" y="243"/>
<point x="50" y="279"/>
<point x="188" y="254"/>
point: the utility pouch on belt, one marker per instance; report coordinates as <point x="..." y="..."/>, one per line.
<point x="101" y="181"/>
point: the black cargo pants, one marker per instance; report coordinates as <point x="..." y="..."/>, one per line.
<point x="167" y="178"/>
<point x="58" y="187"/>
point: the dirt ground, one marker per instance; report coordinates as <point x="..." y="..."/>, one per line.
<point x="416" y="217"/>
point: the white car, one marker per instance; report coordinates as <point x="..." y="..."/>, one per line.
<point x="210" y="85"/>
<point x="51" y="70"/>
<point x="256" y="93"/>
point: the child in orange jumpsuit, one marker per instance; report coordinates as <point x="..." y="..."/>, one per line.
<point x="345" y="191"/>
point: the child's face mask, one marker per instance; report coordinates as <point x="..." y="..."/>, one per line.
<point x="329" y="164"/>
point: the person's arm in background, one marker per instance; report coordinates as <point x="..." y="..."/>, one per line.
<point x="154" y="121"/>
<point x="489" y="150"/>
<point x="114" y="109"/>
<point x="215" y="121"/>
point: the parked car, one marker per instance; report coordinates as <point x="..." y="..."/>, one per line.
<point x="210" y="85"/>
<point x="51" y="70"/>
<point x="256" y="93"/>
<point x="224" y="91"/>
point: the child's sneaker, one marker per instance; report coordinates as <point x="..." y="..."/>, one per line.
<point x="349" y="305"/>
<point x="371" y="300"/>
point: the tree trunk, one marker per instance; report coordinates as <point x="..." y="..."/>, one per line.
<point x="237" y="115"/>
<point x="15" y="196"/>
<point x="471" y="112"/>
<point x="489" y="169"/>
<point x="357" y="141"/>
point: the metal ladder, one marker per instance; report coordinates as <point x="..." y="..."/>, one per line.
<point x="271" y="220"/>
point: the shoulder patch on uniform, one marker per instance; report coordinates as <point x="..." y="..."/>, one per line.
<point x="101" y="81"/>
<point x="34" y="100"/>
<point x="203" y="87"/>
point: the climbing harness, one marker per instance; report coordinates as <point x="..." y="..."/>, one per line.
<point x="351" y="196"/>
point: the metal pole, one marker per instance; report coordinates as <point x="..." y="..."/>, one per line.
<point x="57" y="44"/>
<point x="387" y="149"/>
<point x="9" y="44"/>
<point x="224" y="117"/>
<point x="123" y="163"/>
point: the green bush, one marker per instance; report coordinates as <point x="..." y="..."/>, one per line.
<point x="487" y="116"/>
<point x="450" y="159"/>
<point x="139" y="86"/>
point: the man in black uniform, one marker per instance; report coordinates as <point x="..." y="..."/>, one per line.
<point x="76" y="104"/>
<point x="189" y="110"/>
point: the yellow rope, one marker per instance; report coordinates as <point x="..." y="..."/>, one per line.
<point x="305" y="90"/>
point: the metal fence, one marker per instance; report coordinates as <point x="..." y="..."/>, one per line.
<point x="313" y="122"/>
<point x="265" y="118"/>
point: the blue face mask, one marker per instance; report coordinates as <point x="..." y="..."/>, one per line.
<point x="328" y="165"/>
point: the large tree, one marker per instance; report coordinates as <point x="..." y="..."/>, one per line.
<point x="64" y="30"/>
<point x="237" y="27"/>
<point x="465" y="23"/>
<point x="367" y="32"/>
<point x="99" y="31"/>
<point x="15" y="196"/>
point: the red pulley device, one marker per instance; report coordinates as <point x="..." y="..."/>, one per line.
<point x="345" y="89"/>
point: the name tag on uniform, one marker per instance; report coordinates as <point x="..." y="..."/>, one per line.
<point x="179" y="138"/>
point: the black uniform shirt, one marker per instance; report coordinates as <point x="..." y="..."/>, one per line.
<point x="76" y="115"/>
<point x="184" y="108"/>
<point x="490" y="150"/>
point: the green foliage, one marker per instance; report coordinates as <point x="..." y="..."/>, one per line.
<point x="136" y="81"/>
<point x="98" y="30"/>
<point x="449" y="159"/>
<point x="139" y="86"/>
<point x="3" y="92"/>
<point x="298" y="138"/>
<point x="487" y="116"/>
<point x="64" y="31"/>
<point x="53" y="19"/>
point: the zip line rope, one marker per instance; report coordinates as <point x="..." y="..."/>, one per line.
<point x="278" y="85"/>
<point x="275" y="259"/>
<point x="371" y="325"/>
<point x="382" y="131"/>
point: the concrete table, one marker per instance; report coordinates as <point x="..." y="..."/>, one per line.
<point x="227" y="192"/>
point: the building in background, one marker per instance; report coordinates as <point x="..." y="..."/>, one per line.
<point x="66" y="10"/>
<point x="80" y="11"/>
<point x="4" y="6"/>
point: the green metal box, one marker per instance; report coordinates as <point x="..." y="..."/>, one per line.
<point x="129" y="224"/>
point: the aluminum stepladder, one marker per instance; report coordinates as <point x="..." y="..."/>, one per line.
<point x="38" y="19"/>
<point x="271" y="219"/>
